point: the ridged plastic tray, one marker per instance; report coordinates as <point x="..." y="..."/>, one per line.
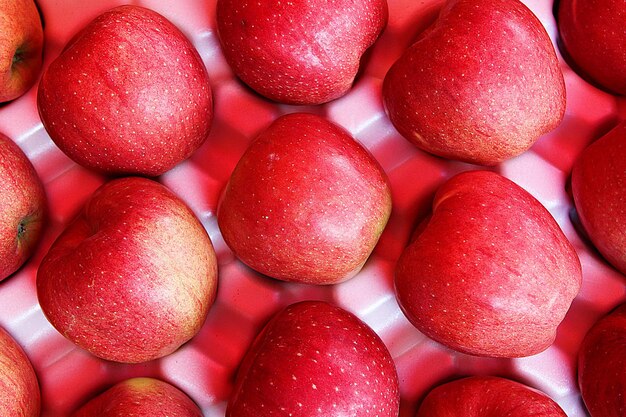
<point x="204" y="368"/>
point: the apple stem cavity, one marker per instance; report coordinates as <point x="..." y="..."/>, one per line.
<point x="21" y="229"/>
<point x="17" y="57"/>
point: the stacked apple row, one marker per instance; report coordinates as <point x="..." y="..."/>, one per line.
<point x="307" y="203"/>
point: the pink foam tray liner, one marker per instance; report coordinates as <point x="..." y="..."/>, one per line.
<point x="205" y="367"/>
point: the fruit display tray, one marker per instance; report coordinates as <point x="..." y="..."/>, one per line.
<point x="205" y="367"/>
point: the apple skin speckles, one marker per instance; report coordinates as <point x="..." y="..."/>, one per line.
<point x="128" y="95"/>
<point x="315" y="359"/>
<point x="490" y="273"/>
<point x="21" y="46"/>
<point x="24" y="207"/>
<point x="140" y="397"/>
<point x="298" y="51"/>
<point x="480" y="85"/>
<point x="601" y="376"/>
<point x="488" y="396"/>
<point x="20" y="394"/>
<point x="594" y="41"/>
<point x="305" y="203"/>
<point x="132" y="278"/>
<point x="598" y="188"/>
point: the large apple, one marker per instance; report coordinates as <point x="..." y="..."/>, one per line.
<point x="315" y="359"/>
<point x="300" y="51"/>
<point x="480" y="85"/>
<point x="305" y="203"/>
<point x="23" y="202"/>
<point x="599" y="191"/>
<point x="19" y="389"/>
<point x="488" y="396"/>
<point x="133" y="277"/>
<point x="593" y="36"/>
<point x="129" y="94"/>
<point x="140" y="397"/>
<point x="491" y="272"/>
<point x="601" y="366"/>
<point x="21" y="46"/>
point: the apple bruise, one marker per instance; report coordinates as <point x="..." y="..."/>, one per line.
<point x="305" y="203"/>
<point x="129" y="94"/>
<point x="315" y="359"/>
<point x="140" y="397"/>
<point x="487" y="396"/>
<point x="23" y="208"/>
<point x="491" y="274"/>
<point x="19" y="388"/>
<point x="480" y="85"/>
<point x="133" y="277"/>
<point x="298" y="51"/>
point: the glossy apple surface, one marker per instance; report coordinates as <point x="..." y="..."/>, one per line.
<point x="487" y="396"/>
<point x="19" y="389"/>
<point x="23" y="202"/>
<point x="21" y="45"/>
<point x="305" y="203"/>
<point x="601" y="366"/>
<point x="301" y="51"/>
<point x="128" y="95"/>
<point x="592" y="35"/>
<point x="599" y="191"/>
<point x="315" y="359"/>
<point x="140" y="397"/>
<point x="133" y="276"/>
<point x="480" y="85"/>
<point x="491" y="273"/>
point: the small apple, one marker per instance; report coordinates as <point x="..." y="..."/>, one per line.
<point x="593" y="37"/>
<point x="128" y="95"/>
<point x="491" y="273"/>
<point x="315" y="359"/>
<point x="483" y="396"/>
<point x="305" y="203"/>
<point x="300" y="51"/>
<point x="140" y="397"/>
<point x="601" y="366"/>
<point x="19" y="389"/>
<point x="599" y="191"/>
<point x="132" y="278"/>
<point x="23" y="202"/>
<point x="21" y="47"/>
<point x="480" y="85"/>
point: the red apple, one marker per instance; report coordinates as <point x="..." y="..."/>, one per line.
<point x="133" y="277"/>
<point x="491" y="273"/>
<point x="305" y="203"/>
<point x="23" y="202"/>
<point x="300" y="51"/>
<point x="315" y="359"/>
<point x="129" y="94"/>
<point x="599" y="191"/>
<point x="140" y="397"/>
<point x="480" y="85"/>
<point x="21" y="46"/>
<point x="601" y="366"/>
<point x="19" y="389"/>
<point x="488" y="396"/>
<point x="593" y="36"/>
